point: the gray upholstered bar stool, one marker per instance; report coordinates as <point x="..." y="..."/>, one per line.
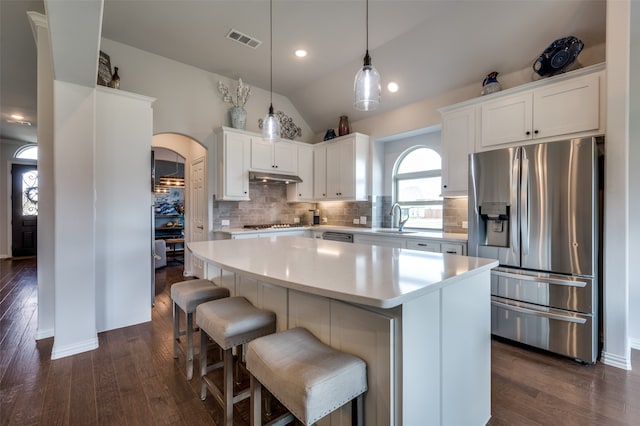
<point x="308" y="377"/>
<point x="229" y="323"/>
<point x="186" y="296"/>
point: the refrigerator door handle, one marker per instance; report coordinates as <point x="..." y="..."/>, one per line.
<point x="515" y="176"/>
<point x="537" y="313"/>
<point x="524" y="203"/>
<point x="555" y="281"/>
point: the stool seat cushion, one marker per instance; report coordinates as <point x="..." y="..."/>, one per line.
<point x="189" y="294"/>
<point x="234" y="321"/>
<point x="308" y="377"/>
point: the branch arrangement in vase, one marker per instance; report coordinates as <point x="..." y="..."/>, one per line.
<point x="241" y="94"/>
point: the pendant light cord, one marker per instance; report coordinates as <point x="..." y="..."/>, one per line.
<point x="367" y="25"/>
<point x="271" y="56"/>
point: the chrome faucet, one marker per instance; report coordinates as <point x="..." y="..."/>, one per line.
<point x="400" y="221"/>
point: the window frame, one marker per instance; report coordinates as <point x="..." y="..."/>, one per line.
<point x="397" y="177"/>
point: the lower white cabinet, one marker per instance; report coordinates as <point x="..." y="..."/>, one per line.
<point x="422" y="244"/>
<point x="379" y="241"/>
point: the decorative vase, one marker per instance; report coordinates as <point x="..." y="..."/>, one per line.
<point x="330" y="134"/>
<point x="343" y="126"/>
<point x="238" y="117"/>
<point x="490" y="84"/>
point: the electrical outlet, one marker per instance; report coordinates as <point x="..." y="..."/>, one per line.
<point x="356" y="221"/>
<point x="363" y="220"/>
<point x="324" y="220"/>
<point x="224" y="222"/>
<point x="296" y="220"/>
<point x="465" y="224"/>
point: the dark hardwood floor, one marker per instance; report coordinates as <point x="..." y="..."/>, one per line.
<point x="132" y="378"/>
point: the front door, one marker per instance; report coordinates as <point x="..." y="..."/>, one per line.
<point x="24" y="203"/>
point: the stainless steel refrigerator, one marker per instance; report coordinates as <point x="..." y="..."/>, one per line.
<point x="537" y="209"/>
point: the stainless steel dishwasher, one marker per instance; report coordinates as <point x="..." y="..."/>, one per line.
<point x="337" y="236"/>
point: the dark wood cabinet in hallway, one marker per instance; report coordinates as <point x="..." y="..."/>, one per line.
<point x="132" y="378"/>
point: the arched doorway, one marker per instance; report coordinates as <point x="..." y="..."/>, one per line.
<point x="194" y="218"/>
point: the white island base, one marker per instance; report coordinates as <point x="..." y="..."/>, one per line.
<point x="421" y="321"/>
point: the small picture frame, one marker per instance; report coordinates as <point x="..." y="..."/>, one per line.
<point x="104" y="69"/>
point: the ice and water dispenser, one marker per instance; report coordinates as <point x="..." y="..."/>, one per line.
<point x="494" y="219"/>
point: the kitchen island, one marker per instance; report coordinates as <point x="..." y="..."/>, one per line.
<point x="420" y="320"/>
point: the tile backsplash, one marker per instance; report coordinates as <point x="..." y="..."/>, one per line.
<point x="269" y="205"/>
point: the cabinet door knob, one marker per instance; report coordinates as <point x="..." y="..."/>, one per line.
<point x="444" y="186"/>
<point x="535" y="132"/>
<point x="528" y="133"/>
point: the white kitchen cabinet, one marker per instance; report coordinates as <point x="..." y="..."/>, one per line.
<point x="374" y="240"/>
<point x="453" y="248"/>
<point x="370" y="336"/>
<point x="562" y="108"/>
<point x="303" y="191"/>
<point x="346" y="168"/>
<point x="280" y="156"/>
<point x="320" y="173"/>
<point x="423" y="245"/>
<point x="232" y="160"/>
<point x="458" y="141"/>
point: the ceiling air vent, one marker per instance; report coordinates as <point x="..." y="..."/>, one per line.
<point x="243" y="39"/>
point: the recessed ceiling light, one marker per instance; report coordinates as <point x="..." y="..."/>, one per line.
<point x="300" y="53"/>
<point x="392" y="87"/>
<point x="17" y="117"/>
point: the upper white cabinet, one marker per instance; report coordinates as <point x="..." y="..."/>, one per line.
<point x="232" y="159"/>
<point x="320" y="173"/>
<point x="562" y="108"/>
<point x="303" y="191"/>
<point x="458" y="140"/>
<point x="347" y="158"/>
<point x="281" y="157"/>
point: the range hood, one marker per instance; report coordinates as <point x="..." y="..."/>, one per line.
<point x="265" y="177"/>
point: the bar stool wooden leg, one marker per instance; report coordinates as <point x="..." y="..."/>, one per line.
<point x="227" y="371"/>
<point x="189" y="346"/>
<point x="255" y="410"/>
<point x="204" y="341"/>
<point x="176" y="330"/>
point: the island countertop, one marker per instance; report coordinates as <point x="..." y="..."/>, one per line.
<point x="377" y="276"/>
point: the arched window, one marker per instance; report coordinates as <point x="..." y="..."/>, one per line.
<point x="28" y="152"/>
<point x="416" y="183"/>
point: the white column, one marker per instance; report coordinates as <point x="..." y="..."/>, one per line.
<point x="616" y="245"/>
<point x="46" y="196"/>
<point x="75" y="289"/>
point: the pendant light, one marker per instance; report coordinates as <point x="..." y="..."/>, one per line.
<point x="366" y="87"/>
<point x="270" y="124"/>
<point x="172" y="180"/>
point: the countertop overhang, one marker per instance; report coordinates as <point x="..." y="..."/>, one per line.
<point x="376" y="276"/>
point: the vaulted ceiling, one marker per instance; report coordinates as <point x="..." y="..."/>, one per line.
<point x="426" y="46"/>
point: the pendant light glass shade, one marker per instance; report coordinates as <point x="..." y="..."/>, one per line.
<point x="271" y="124"/>
<point x="366" y="87"/>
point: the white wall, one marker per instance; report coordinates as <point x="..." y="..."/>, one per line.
<point x="123" y="199"/>
<point x="75" y="295"/>
<point x="634" y="178"/>
<point x="393" y="150"/>
<point x="187" y="98"/>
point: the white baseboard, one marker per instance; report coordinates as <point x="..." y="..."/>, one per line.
<point x="616" y="361"/>
<point x="635" y="343"/>
<point x="4" y="256"/>
<point x="44" y="334"/>
<point x="76" y="348"/>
